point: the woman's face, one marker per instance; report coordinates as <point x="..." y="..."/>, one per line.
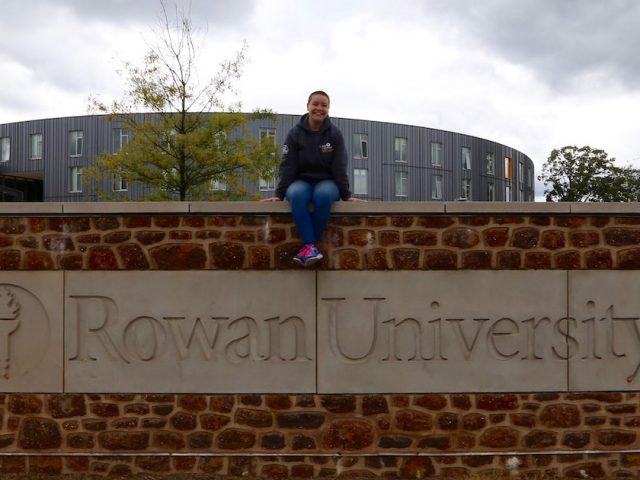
<point x="318" y="108"/>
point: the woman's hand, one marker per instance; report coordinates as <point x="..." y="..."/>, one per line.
<point x="355" y="199"/>
<point x="271" y="199"/>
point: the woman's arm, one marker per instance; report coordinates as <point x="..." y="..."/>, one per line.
<point x="339" y="165"/>
<point x="288" y="171"/>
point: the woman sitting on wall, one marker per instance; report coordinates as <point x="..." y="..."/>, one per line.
<point x="313" y="171"/>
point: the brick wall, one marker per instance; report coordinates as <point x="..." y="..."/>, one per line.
<point x="352" y="242"/>
<point x="318" y="436"/>
<point x="577" y="435"/>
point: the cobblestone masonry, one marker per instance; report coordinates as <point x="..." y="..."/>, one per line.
<point x="376" y="435"/>
<point x="351" y="242"/>
<point x="574" y="435"/>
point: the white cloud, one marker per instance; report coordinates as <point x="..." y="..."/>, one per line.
<point x="534" y="74"/>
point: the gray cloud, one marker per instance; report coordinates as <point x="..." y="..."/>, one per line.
<point x="63" y="43"/>
<point x="566" y="42"/>
<point x="218" y="12"/>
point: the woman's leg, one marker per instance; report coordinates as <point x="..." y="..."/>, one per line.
<point x="299" y="194"/>
<point x="324" y="194"/>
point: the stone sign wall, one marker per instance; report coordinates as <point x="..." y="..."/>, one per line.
<point x="434" y="339"/>
<point x="319" y="332"/>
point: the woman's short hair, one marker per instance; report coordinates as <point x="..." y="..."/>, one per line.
<point x="318" y="92"/>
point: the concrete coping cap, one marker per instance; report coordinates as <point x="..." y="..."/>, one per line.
<point x="364" y="208"/>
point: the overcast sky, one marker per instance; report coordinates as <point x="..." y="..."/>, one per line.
<point x="531" y="74"/>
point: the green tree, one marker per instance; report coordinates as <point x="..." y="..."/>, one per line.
<point x="182" y="137"/>
<point x="623" y="185"/>
<point x="585" y="174"/>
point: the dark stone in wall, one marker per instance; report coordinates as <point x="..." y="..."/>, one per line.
<point x="299" y="420"/>
<point x="496" y="402"/>
<point x="394" y="441"/>
<point x="39" y="434"/>
<point x="69" y="224"/>
<point x="461" y="237"/>
<point x="253" y="418"/>
<point x="525" y="238"/>
<point x="540" y="439"/>
<point x="272" y="441"/>
<point x="432" y="401"/>
<point x="616" y="438"/>
<point x="374" y="404"/>
<point x="200" y="440"/>
<point x="183" y="421"/>
<point x="417" y="468"/>
<point x="21" y="404"/>
<point x="221" y="403"/>
<point x="167" y="440"/>
<point x="133" y="257"/>
<point x="435" y="442"/>
<point x="80" y="440"/>
<point x="440" y="260"/>
<point x="348" y="435"/>
<point x="123" y="441"/>
<point x="179" y="257"/>
<point x="474" y="421"/>
<point x="338" y="403"/>
<point x="560" y="416"/>
<point x="500" y="437"/>
<point x="213" y="422"/>
<point x="102" y="258"/>
<point x="192" y="403"/>
<point x="302" y="442"/>
<point x="236" y="439"/>
<point x="413" y="421"/>
<point x="576" y="440"/>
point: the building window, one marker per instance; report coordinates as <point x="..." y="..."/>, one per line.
<point x="436" y="154"/>
<point x="490" y="194"/>
<point x="466" y="158"/>
<point x="436" y="187"/>
<point x="400" y="149"/>
<point x="35" y="143"/>
<point x="508" y="168"/>
<point x="491" y="161"/>
<point x="119" y="184"/>
<point x="466" y="189"/>
<point x="5" y="148"/>
<point x="266" y="185"/>
<point x="217" y="185"/>
<point x="120" y="137"/>
<point x="402" y="184"/>
<point x="75" y="143"/>
<point x="268" y="134"/>
<point x="360" y="183"/>
<point x="360" y="147"/>
<point x="219" y="139"/>
<point x="75" y="179"/>
<point x="507" y="192"/>
<point x="520" y="172"/>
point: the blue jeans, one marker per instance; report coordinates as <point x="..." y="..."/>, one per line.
<point x="321" y="195"/>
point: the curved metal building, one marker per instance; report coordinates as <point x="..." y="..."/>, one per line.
<point x="42" y="160"/>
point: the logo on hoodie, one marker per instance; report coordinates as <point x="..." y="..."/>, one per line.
<point x="285" y="149"/>
<point x="326" y="148"/>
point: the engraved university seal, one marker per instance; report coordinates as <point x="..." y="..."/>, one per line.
<point x="24" y="331"/>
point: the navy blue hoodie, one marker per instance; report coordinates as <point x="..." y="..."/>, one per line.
<point x="313" y="156"/>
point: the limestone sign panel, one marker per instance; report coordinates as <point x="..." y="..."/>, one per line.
<point x="442" y="331"/>
<point x="190" y="332"/>
<point x="31" y="331"/>
<point x="604" y="340"/>
<point x="325" y="332"/>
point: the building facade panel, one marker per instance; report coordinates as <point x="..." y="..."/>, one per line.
<point x="387" y="161"/>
